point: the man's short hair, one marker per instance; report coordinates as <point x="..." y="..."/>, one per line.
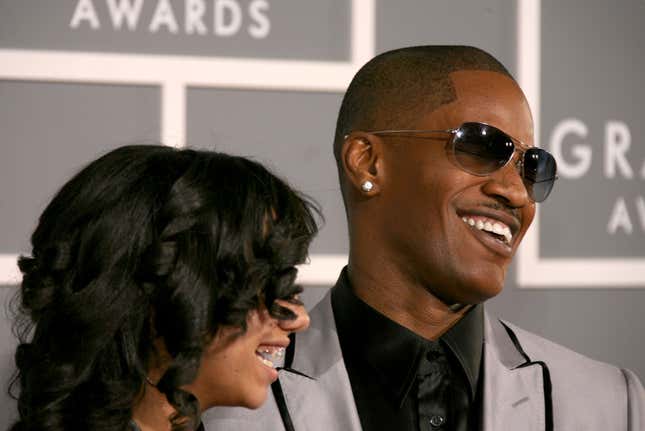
<point x="393" y="89"/>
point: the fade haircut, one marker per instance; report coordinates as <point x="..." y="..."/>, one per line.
<point x="393" y="89"/>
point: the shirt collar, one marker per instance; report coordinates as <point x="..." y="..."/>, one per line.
<point x="466" y="341"/>
<point x="391" y="351"/>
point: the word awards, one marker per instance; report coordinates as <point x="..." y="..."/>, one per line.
<point x="223" y="18"/>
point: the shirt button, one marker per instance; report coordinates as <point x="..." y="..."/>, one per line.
<point x="437" y="420"/>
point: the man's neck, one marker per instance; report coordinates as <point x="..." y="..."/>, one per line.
<point x="409" y="304"/>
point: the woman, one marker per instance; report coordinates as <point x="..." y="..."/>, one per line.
<point x="161" y="283"/>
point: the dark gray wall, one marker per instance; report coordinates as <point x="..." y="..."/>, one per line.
<point x="591" y="63"/>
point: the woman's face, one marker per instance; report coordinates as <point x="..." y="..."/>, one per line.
<point x="236" y="369"/>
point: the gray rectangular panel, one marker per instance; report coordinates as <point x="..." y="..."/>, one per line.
<point x="592" y="109"/>
<point x="487" y="24"/>
<point x="8" y="343"/>
<point x="50" y="131"/>
<point x="292" y="133"/>
<point x="280" y="29"/>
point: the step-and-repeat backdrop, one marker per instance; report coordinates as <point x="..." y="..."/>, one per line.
<point x="264" y="78"/>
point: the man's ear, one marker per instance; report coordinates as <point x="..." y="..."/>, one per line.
<point x="361" y="159"/>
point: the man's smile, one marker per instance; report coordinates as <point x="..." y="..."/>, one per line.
<point x="493" y="228"/>
<point x="496" y="228"/>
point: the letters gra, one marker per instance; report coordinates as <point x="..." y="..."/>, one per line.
<point x="571" y="134"/>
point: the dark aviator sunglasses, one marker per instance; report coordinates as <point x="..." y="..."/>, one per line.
<point x="481" y="149"/>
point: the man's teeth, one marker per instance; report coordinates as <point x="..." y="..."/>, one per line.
<point x="496" y="228"/>
<point x="270" y="356"/>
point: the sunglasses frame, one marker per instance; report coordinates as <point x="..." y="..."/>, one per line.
<point x="519" y="147"/>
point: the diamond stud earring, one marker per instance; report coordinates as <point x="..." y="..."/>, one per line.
<point x="367" y="186"/>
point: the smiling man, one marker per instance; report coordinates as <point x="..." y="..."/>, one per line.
<point x="440" y="179"/>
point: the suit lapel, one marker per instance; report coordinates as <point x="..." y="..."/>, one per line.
<point x="514" y="387"/>
<point x="319" y="395"/>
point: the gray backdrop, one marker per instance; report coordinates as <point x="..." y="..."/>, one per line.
<point x="591" y="63"/>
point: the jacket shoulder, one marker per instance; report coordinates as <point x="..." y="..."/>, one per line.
<point x="584" y="386"/>
<point x="555" y="355"/>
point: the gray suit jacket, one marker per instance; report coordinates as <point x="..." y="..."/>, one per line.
<point x="530" y="384"/>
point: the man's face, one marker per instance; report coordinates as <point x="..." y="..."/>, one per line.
<point x="427" y="201"/>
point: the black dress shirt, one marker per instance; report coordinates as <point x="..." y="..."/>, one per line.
<point x="402" y="381"/>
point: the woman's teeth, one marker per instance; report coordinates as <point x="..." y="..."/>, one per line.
<point x="493" y="227"/>
<point x="270" y="356"/>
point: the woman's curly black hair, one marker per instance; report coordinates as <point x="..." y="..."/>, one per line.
<point x="147" y="241"/>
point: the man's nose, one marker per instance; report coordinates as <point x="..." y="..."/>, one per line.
<point x="507" y="185"/>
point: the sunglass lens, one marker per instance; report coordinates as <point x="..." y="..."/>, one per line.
<point x="539" y="173"/>
<point x="481" y="149"/>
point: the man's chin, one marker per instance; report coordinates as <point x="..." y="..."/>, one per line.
<point x="476" y="291"/>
